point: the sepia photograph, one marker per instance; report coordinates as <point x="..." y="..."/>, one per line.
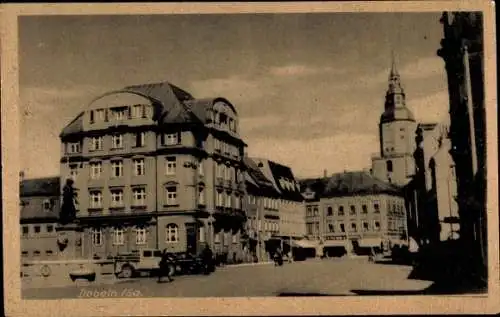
<point x="251" y="154"/>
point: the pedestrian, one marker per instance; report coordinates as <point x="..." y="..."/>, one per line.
<point x="166" y="267"/>
<point x="207" y="258"/>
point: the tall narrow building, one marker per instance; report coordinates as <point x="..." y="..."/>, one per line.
<point x="397" y="128"/>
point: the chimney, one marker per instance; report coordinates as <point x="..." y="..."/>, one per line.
<point x="21" y="176"/>
<point x="325" y="173"/>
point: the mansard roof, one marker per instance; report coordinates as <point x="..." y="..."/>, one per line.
<point x="349" y="184"/>
<point x="48" y="186"/>
<point x="171" y="105"/>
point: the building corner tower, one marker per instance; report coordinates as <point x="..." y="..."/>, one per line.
<point x="397" y="128"/>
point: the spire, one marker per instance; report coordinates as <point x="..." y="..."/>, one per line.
<point x="394" y="71"/>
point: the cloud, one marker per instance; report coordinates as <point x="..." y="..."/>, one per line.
<point x="308" y="158"/>
<point x="44" y="112"/>
<point x="301" y="70"/>
<point x="431" y="108"/>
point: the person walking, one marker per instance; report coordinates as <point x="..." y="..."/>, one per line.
<point x="207" y="258"/>
<point x="166" y="267"/>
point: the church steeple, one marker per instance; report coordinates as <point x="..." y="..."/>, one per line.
<point x="394" y="78"/>
<point x="395" y="99"/>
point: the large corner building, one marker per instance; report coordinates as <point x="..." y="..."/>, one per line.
<point x="156" y="168"/>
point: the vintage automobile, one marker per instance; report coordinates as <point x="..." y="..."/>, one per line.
<point x="83" y="272"/>
<point x="148" y="261"/>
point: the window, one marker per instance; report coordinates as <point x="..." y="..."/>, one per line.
<point x="365" y="209"/>
<point x="217" y="145"/>
<point x="171" y="195"/>
<point x="220" y="170"/>
<point x="139" y="167"/>
<point x="389" y="166"/>
<point x="200" y="168"/>
<point x="49" y="252"/>
<point x="140" y="236"/>
<point x="238" y="203"/>
<point x="36" y="253"/>
<point x="50" y="228"/>
<point x="37" y="229"/>
<point x="137" y="111"/>
<point x="120" y="114"/>
<point x="95" y="170"/>
<point x="331" y="227"/>
<point x="377" y="226"/>
<point x="219" y="199"/>
<point x="228" y="200"/>
<point x="353" y="210"/>
<point x="100" y="115"/>
<point x="117" y="168"/>
<point x="97" y="237"/>
<point x="24" y="253"/>
<point x="47" y="204"/>
<point x="118" y="237"/>
<point x="365" y="226"/>
<point x="117" y="141"/>
<point x="73" y="171"/>
<point x="96" y="143"/>
<point x="353" y="227"/>
<point x="139" y="196"/>
<point x="171" y="139"/>
<point x="227" y="173"/>
<point x="140" y="139"/>
<point x="329" y="211"/>
<point x="316" y="210"/>
<point x="201" y="196"/>
<point x="171" y="233"/>
<point x="217" y="237"/>
<point x="95" y="199"/>
<point x="91" y="116"/>
<point x="376" y="208"/>
<point x="73" y="147"/>
<point x="226" y="238"/>
<point x="170" y="166"/>
<point x="234" y="238"/>
<point x="26" y="230"/>
<point x="341" y="210"/>
<point x="201" y="234"/>
<point x="117" y="198"/>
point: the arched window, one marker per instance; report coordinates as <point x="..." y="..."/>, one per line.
<point x="329" y="211"/>
<point x="389" y="166"/>
<point x="171" y="233"/>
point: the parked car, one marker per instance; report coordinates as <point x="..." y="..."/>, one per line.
<point x="84" y="272"/>
<point x="130" y="264"/>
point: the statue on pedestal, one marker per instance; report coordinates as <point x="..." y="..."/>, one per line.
<point x="68" y="209"/>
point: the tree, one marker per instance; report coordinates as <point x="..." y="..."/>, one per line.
<point x="68" y="209"/>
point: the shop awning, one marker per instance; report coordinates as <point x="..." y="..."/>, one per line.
<point x="335" y="243"/>
<point x="303" y="244"/>
<point x="369" y="242"/>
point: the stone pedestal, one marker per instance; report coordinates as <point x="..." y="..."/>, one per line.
<point x="69" y="241"/>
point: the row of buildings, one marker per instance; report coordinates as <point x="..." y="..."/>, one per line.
<point x="154" y="167"/>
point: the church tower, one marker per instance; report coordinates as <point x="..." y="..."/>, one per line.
<point x="397" y="128"/>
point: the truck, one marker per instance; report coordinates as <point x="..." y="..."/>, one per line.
<point x="148" y="261"/>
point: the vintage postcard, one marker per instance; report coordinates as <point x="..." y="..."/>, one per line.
<point x="249" y="158"/>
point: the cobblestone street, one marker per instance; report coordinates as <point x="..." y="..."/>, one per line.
<point x="312" y="277"/>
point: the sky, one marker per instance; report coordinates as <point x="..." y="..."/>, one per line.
<point x="309" y="88"/>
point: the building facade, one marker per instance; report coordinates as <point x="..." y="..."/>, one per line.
<point x="462" y="50"/>
<point x="40" y="204"/>
<point x="275" y="205"/>
<point x="436" y="190"/>
<point x="394" y="163"/>
<point x="354" y="211"/>
<point x="156" y="168"/>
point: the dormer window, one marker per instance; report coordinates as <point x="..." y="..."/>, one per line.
<point x="47" y="205"/>
<point x="120" y="114"/>
<point x="73" y="147"/>
<point x="137" y="111"/>
<point x="100" y="115"/>
<point x="171" y="139"/>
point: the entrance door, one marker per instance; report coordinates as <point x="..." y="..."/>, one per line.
<point x="191" y="237"/>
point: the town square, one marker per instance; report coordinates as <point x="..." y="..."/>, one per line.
<point x="252" y="155"/>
